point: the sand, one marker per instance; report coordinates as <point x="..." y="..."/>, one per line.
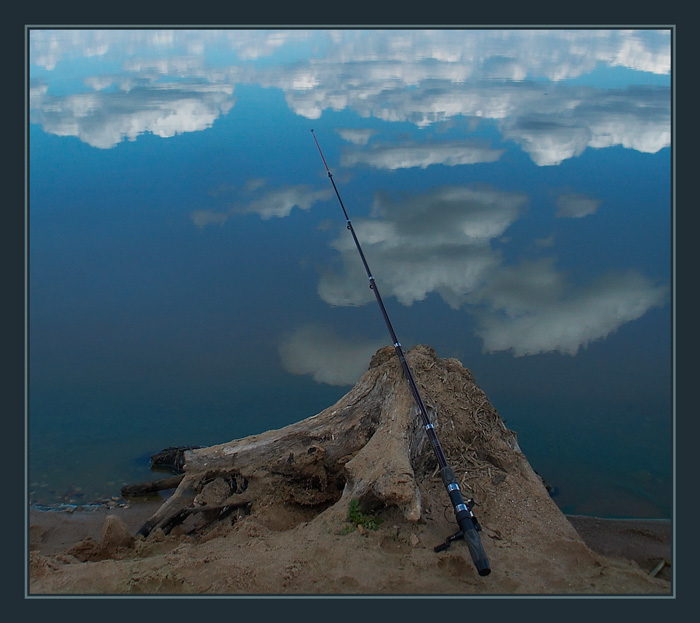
<point x="257" y="559"/>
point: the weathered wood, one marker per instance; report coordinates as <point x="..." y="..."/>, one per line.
<point x="663" y="563"/>
<point x="148" y="488"/>
<point x="369" y="446"/>
<point x="171" y="459"/>
<point x="211" y="513"/>
<point x="183" y="497"/>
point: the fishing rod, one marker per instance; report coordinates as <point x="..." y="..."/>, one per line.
<point x="468" y="524"/>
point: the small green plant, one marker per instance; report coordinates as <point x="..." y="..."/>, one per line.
<point x="357" y="518"/>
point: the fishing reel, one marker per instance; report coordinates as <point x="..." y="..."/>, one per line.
<point x="460" y="533"/>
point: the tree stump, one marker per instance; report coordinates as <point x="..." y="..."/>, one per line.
<point x="369" y="446"/>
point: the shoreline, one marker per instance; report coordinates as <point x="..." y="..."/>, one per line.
<point x="647" y="542"/>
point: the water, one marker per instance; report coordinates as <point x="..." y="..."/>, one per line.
<point x="191" y="280"/>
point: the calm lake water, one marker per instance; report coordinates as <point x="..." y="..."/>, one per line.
<point x="191" y="279"/>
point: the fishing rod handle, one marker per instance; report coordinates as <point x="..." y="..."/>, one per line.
<point x="476" y="549"/>
<point x="467" y="522"/>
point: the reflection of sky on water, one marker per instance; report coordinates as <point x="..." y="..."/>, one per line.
<point x="511" y="190"/>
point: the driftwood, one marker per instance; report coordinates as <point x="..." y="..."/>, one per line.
<point x="170" y="459"/>
<point x="369" y="446"/>
<point x="148" y="488"/>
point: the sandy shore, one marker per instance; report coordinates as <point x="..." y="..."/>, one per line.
<point x="646" y="542"/>
<point x="52" y="531"/>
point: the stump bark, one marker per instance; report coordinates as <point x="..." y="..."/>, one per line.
<point x="369" y="446"/>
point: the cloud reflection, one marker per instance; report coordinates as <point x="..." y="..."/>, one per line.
<point x="505" y="54"/>
<point x="527" y="325"/>
<point x="278" y="203"/>
<point x="422" y="155"/>
<point x="575" y="205"/>
<point x="551" y="123"/>
<point x="313" y="350"/>
<point x="562" y="125"/>
<point x="104" y="119"/>
<point x="356" y="136"/>
<point x="441" y="242"/>
<point x="49" y="47"/>
<point x="273" y="203"/>
<point x="434" y="242"/>
<point x="418" y="76"/>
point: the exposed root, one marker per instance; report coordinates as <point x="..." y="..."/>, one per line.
<point x="369" y="446"/>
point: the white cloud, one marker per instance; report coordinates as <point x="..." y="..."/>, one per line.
<point x="101" y="82"/>
<point x="548" y="142"/>
<point x="275" y="203"/>
<point x="279" y="202"/>
<point x="438" y="242"/>
<point x="255" y="183"/>
<point x="519" y="288"/>
<point x="449" y="153"/>
<point x="316" y="350"/>
<point x="417" y="76"/>
<point x="505" y="54"/>
<point x="451" y="214"/>
<point x="574" y="205"/>
<point x="482" y="75"/>
<point x="202" y="218"/>
<point x="253" y="44"/>
<point x="551" y="123"/>
<point x="643" y="55"/>
<point x="568" y="121"/>
<point x="356" y="136"/>
<point x="104" y="119"/>
<point x="573" y="321"/>
<point x="543" y="243"/>
<point x="49" y="47"/>
<point x="441" y="242"/>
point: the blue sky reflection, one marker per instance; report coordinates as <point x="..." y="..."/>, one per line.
<point x="511" y="189"/>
